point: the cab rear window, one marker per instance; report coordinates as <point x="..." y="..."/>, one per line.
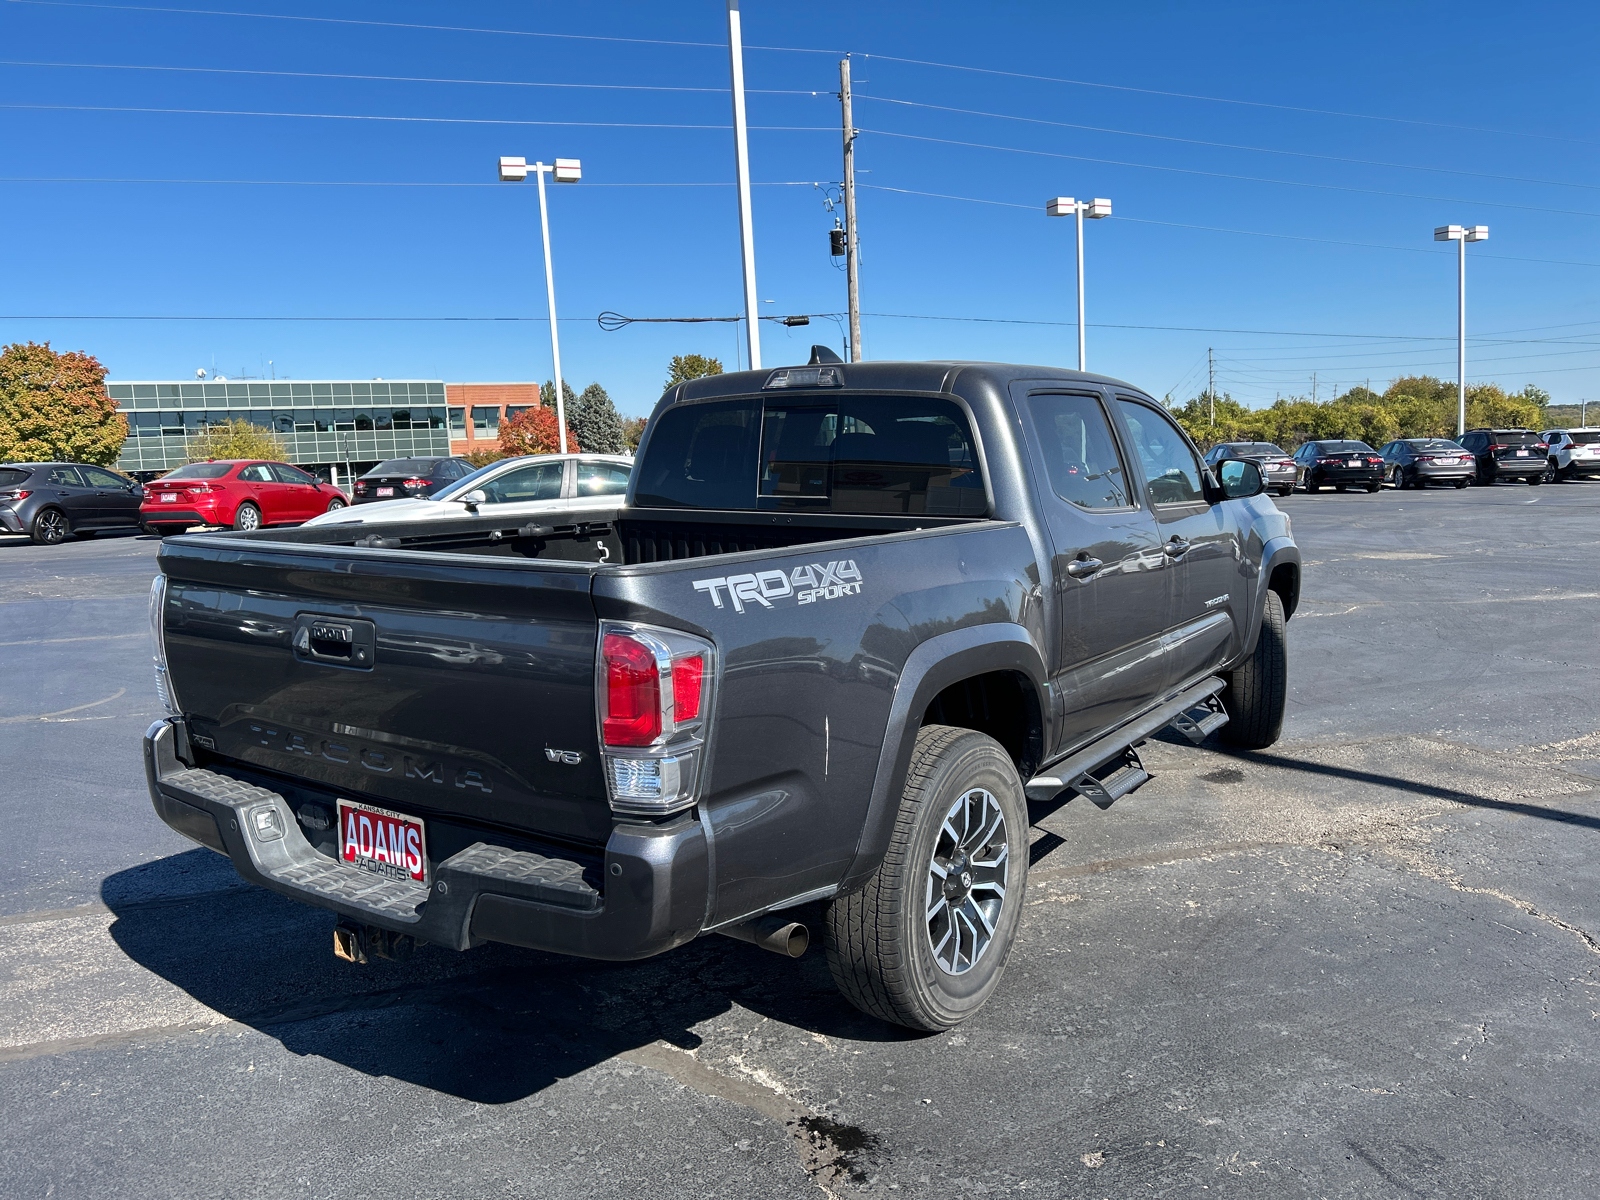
<point x="834" y="453"/>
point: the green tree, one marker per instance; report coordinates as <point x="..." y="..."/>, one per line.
<point x="1488" y="406"/>
<point x="482" y="458"/>
<point x="54" y="407"/>
<point x="235" y="439"/>
<point x="569" y="398"/>
<point x="632" y="432"/>
<point x="596" y="422"/>
<point x="535" y="431"/>
<point x="685" y="367"/>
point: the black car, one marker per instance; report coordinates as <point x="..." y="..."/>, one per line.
<point x="409" y="479"/>
<point x="48" y="501"/>
<point x="1341" y="463"/>
<point x="1513" y="454"/>
<point x="1275" y="463"/>
<point x="1417" y="462"/>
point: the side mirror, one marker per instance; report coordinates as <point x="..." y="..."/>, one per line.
<point x="474" y="498"/>
<point x="1240" y="479"/>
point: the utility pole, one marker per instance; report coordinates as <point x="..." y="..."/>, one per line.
<point x="741" y="161"/>
<point x="1211" y="384"/>
<point x="1313" y="387"/>
<point x="851" y="249"/>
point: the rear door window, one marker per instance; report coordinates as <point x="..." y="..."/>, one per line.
<point x="1171" y="471"/>
<point x="65" y="477"/>
<point x="257" y="473"/>
<point x="602" y="479"/>
<point x="288" y="474"/>
<point x="539" y="482"/>
<point x="1079" y="454"/>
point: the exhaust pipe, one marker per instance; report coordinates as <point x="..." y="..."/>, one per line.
<point x="771" y="932"/>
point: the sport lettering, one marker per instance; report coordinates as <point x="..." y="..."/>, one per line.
<point x="807" y="583"/>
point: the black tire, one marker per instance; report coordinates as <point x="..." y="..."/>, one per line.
<point x="50" y="527"/>
<point x="1398" y="478"/>
<point x="247" y="516"/>
<point x="1551" y="472"/>
<point x="1372" y="487"/>
<point x="1536" y="480"/>
<point x="1258" y="688"/>
<point x="1284" y="492"/>
<point x="1461" y="483"/>
<point x="336" y="504"/>
<point x="1313" y="487"/>
<point x="880" y="940"/>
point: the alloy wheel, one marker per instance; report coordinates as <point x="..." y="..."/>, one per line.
<point x="51" y="526"/>
<point x="248" y="517"/>
<point x="335" y="505"/>
<point x="967" y="881"/>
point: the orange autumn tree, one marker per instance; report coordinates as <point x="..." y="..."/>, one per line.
<point x="534" y="431"/>
<point x="54" y="407"/>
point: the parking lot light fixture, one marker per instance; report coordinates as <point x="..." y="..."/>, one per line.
<point x="1065" y="206"/>
<point x="565" y="170"/>
<point x="1461" y="235"/>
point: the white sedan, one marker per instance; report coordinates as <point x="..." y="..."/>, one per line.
<point x="513" y="487"/>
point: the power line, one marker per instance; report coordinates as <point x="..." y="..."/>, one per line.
<point x="612" y="87"/>
<point x="1321" y="112"/>
<point x="226" y="112"/>
<point x="1330" y="187"/>
<point x="577" y="37"/>
<point x="1162" y="137"/>
<point x="379" y="183"/>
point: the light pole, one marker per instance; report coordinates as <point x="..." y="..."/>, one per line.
<point x="741" y="168"/>
<point x="1461" y="235"/>
<point x="1066" y="206"/>
<point x="565" y="170"/>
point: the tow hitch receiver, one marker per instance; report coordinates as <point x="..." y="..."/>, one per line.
<point x="1115" y="779"/>
<point x="361" y="943"/>
<point x="1201" y="721"/>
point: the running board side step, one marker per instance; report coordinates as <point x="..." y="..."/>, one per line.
<point x="1125" y="774"/>
<point x="1114" y="746"/>
<point x="1201" y="721"/>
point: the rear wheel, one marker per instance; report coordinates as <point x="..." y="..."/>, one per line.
<point x="247" y="517"/>
<point x="1286" y="491"/>
<point x="50" y="527"/>
<point x="1551" y="472"/>
<point x="1259" y="687"/>
<point x="1372" y="487"/>
<point x="1461" y="483"/>
<point x="925" y="942"/>
<point x="1536" y="480"/>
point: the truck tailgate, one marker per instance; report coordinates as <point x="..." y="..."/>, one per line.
<point x="435" y="686"/>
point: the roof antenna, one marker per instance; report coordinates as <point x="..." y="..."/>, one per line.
<point x="822" y="355"/>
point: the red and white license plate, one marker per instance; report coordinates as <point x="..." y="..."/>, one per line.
<point x="385" y="491"/>
<point x="168" y="498"/>
<point x="383" y="842"/>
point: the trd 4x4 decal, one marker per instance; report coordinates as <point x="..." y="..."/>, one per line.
<point x="807" y="584"/>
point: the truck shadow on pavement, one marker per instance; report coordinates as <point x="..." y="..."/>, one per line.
<point x="492" y="1025"/>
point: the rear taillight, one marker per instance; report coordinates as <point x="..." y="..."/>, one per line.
<point x="415" y="483"/>
<point x="200" y="489"/>
<point x="158" y="644"/>
<point x="361" y="488"/>
<point x="1499" y="447"/>
<point x="1541" y="446"/>
<point x="1329" y="461"/>
<point x="653" y="698"/>
<point x="19" y="494"/>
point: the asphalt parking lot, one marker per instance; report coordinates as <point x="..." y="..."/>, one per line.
<point x="1365" y="962"/>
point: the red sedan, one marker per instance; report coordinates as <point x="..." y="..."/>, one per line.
<point x="242" y="495"/>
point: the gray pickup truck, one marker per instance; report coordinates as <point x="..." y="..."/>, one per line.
<point x="851" y="619"/>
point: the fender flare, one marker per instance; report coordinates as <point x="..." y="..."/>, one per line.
<point x="930" y="668"/>
<point x="1278" y="552"/>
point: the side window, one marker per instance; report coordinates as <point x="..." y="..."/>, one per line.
<point x="103" y="479"/>
<point x="602" y="479"/>
<point x="256" y="473"/>
<point x="1171" y="471"/>
<point x="541" y="482"/>
<point x="65" y="477"/>
<point x="1079" y="453"/>
<point x="288" y="474"/>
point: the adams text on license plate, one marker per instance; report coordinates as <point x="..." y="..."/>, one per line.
<point x="386" y="843"/>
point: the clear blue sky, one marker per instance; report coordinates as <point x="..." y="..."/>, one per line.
<point x="1253" y="160"/>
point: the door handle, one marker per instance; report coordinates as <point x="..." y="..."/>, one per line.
<point x="1078" y="568"/>
<point x="1177" y="547"/>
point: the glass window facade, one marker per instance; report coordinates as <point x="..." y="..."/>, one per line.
<point x="320" y="421"/>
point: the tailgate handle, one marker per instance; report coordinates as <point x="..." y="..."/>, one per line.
<point x="335" y="641"/>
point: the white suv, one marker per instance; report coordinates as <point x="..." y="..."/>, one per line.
<point x="1574" y="453"/>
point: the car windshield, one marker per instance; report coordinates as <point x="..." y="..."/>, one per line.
<point x="1345" y="448"/>
<point x="200" y="471"/>
<point x="402" y="466"/>
<point x="469" y="483"/>
<point x="1585" y="437"/>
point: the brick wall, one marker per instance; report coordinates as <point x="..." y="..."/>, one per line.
<point x="467" y="395"/>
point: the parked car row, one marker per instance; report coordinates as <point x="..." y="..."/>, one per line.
<point x="51" y="502"/>
<point x="1482" y="456"/>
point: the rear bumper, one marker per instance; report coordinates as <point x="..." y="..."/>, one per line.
<point x="1518" y="466"/>
<point x="650" y="894"/>
<point x="10" y="522"/>
<point x="174" y="516"/>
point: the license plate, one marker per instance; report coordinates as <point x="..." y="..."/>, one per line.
<point x="1522" y="454"/>
<point x="383" y="842"/>
<point x="169" y="498"/>
<point x="385" y="491"/>
<point x="1355" y="462"/>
